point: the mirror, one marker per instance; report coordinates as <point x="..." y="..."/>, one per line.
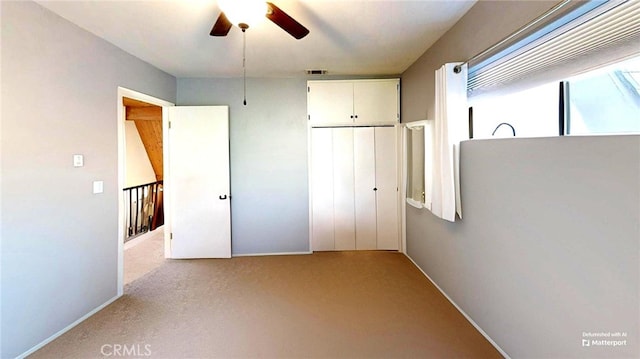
<point x="418" y="139"/>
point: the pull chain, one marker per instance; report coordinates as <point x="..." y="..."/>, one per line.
<point x="244" y="63"/>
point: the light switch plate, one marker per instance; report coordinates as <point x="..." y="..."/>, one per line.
<point x="78" y="160"/>
<point x="98" y="186"/>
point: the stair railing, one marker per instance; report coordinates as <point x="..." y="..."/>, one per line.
<point x="143" y="209"/>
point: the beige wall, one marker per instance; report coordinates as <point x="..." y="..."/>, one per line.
<point x="268" y="150"/>
<point x="59" y="240"/>
<point x="549" y="244"/>
<point x="485" y="24"/>
<point x="138" y="170"/>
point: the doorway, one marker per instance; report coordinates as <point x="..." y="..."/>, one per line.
<point x="141" y="124"/>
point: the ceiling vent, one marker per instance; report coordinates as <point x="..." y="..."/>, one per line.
<point x="316" y="72"/>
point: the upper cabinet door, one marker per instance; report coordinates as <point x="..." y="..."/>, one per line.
<point x="376" y="102"/>
<point x="330" y="102"/>
<point x="353" y="102"/>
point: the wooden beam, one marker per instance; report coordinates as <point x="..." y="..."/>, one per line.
<point x="144" y="113"/>
<point x="129" y="102"/>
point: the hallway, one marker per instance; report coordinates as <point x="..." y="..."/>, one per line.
<point x="143" y="255"/>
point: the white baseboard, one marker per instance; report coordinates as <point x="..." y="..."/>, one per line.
<point x="271" y="254"/>
<point x="66" y="329"/>
<point x="495" y="345"/>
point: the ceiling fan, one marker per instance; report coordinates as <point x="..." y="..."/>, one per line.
<point x="240" y="13"/>
<point x="244" y="12"/>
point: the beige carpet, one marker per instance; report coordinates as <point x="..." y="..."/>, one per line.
<point x="327" y="305"/>
<point x="143" y="255"/>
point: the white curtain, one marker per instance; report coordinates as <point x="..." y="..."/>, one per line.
<point x="451" y="127"/>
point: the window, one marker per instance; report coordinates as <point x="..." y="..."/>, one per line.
<point x="530" y="113"/>
<point x="546" y="79"/>
<point x="573" y="38"/>
<point x="603" y="101"/>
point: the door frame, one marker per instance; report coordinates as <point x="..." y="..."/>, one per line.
<point x="121" y="118"/>
<point x="402" y="183"/>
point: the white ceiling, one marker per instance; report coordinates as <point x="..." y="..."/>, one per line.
<point x="353" y="37"/>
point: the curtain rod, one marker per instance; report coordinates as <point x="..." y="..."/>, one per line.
<point x="526" y="27"/>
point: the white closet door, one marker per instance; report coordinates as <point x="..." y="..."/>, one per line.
<point x="343" y="189"/>
<point x="322" y="189"/>
<point x="330" y="103"/>
<point x="376" y="102"/>
<point x="365" y="198"/>
<point x="387" y="188"/>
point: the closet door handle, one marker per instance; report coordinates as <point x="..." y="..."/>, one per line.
<point x="223" y="197"/>
<point x="375" y="188"/>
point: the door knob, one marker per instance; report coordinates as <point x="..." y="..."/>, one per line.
<point x="223" y="197"/>
<point x="375" y="189"/>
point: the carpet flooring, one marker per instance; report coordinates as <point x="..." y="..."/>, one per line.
<point x="324" y="305"/>
<point x="143" y="254"/>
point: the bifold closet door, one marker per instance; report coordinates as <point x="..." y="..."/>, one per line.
<point x="387" y="188"/>
<point x="354" y="188"/>
<point x="343" y="189"/>
<point x="365" y="187"/>
<point x="322" y="232"/>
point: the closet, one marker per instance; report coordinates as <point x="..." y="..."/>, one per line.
<point x="354" y="179"/>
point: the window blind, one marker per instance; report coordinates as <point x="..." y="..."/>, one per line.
<point x="592" y="35"/>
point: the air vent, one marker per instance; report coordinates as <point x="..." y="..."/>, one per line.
<point x="316" y="72"/>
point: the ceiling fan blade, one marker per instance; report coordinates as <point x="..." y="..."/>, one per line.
<point x="286" y="22"/>
<point x="221" y="27"/>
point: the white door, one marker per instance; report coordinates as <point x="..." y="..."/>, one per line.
<point x="365" y="187"/>
<point x="386" y="188"/>
<point x="322" y="225"/>
<point x="198" y="186"/>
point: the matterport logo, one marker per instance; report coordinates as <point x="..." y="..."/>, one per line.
<point x="604" y="339"/>
<point x="126" y="350"/>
